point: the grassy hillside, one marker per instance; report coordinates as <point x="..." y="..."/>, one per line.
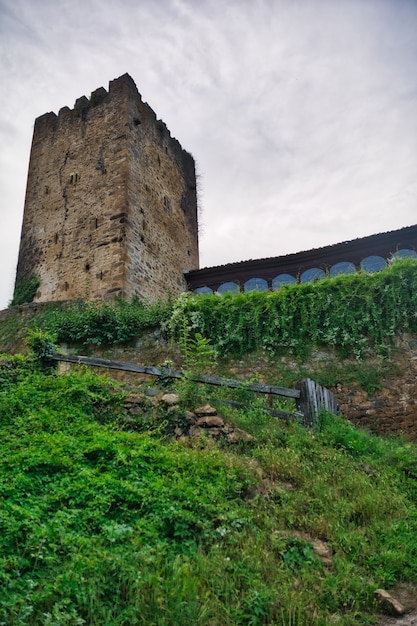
<point x="107" y="520"/>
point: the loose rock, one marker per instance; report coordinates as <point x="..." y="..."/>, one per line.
<point x="388" y="603"/>
<point x="190" y="417"/>
<point x="237" y="435"/>
<point x="170" y="399"/>
<point x="205" y="410"/>
<point x="210" y="421"/>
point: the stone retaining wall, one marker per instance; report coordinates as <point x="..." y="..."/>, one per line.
<point x="392" y="409"/>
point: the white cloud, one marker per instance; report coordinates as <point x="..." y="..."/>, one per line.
<point x="301" y="116"/>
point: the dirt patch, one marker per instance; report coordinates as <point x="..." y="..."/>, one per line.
<point x="405" y="620"/>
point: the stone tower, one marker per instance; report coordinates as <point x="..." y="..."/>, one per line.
<point x="111" y="206"/>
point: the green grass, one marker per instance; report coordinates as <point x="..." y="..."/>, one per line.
<point x="105" y="524"/>
<point x="9" y="328"/>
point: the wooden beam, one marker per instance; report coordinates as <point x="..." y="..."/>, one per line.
<point x="198" y="378"/>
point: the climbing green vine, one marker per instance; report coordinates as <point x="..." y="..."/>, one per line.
<point x="350" y="313"/>
<point x="25" y="290"/>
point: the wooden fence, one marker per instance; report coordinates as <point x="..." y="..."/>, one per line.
<point x="310" y="398"/>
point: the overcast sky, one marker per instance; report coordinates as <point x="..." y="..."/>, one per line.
<point x="301" y="114"/>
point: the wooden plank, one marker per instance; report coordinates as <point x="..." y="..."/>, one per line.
<point x="256" y="387"/>
<point x="314" y="399"/>
<point x="156" y="371"/>
<point x="303" y="404"/>
<point x="118" y="365"/>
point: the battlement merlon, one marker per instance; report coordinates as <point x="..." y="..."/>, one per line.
<point x="124" y="81"/>
<point x="122" y="88"/>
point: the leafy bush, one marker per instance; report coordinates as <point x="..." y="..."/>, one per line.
<point x="12" y="368"/>
<point x="100" y="323"/>
<point x="43" y="347"/>
<point x="198" y="356"/>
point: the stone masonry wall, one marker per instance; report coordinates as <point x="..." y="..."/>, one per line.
<point x="392" y="409"/>
<point x="110" y="204"/>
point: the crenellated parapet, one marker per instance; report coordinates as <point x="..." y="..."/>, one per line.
<point x="118" y="88"/>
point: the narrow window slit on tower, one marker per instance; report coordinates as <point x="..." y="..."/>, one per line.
<point x="167" y="204"/>
<point x="100" y="164"/>
<point x="87" y="267"/>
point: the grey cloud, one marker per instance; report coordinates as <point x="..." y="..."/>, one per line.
<point x="301" y="116"/>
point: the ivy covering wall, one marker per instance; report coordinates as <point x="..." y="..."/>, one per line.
<point x="25" y="290"/>
<point x="350" y="313"/>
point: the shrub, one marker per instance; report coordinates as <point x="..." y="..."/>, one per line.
<point x="118" y="321"/>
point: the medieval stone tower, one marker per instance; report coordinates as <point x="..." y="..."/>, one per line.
<point x="110" y="204"/>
